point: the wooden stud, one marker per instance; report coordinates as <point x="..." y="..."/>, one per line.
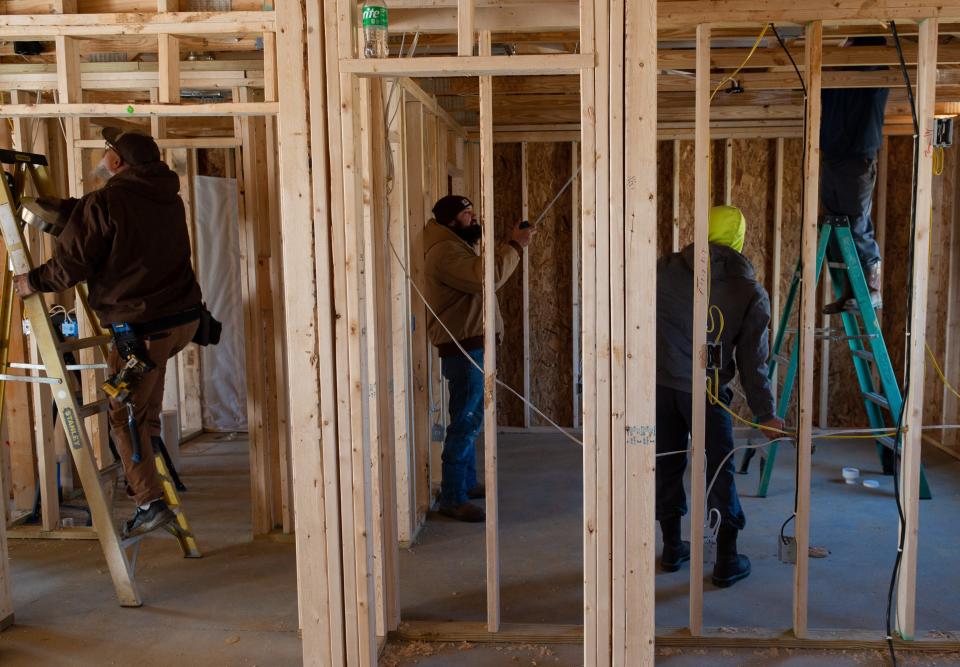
<point x="913" y="411"/>
<point x="813" y="40"/>
<point x="489" y="345"/>
<point x="379" y="261"/>
<point x="575" y="225"/>
<point x="401" y="318"/>
<point x="279" y="389"/>
<point x="6" y="597"/>
<point x="270" y="67"/>
<point x="824" y="393"/>
<point x="465" y="29"/>
<point x="525" y="284"/>
<point x="701" y="253"/>
<point x="592" y="586"/>
<point x="617" y="280"/>
<point x="951" y="330"/>
<point x="675" y="226"/>
<point x="603" y="404"/>
<point x="168" y="57"/>
<point x="261" y="491"/>
<point x="353" y="423"/>
<point x="640" y="198"/>
<point x="418" y="213"/>
<point x="308" y="347"/>
<point x="880" y="210"/>
<point x="777" y="252"/>
<point x="570" y="63"/>
<point x="728" y="172"/>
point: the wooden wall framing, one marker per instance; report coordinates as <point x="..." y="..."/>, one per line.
<point x="349" y="427"/>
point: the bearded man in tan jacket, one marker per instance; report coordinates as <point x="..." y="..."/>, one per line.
<point x="454" y="282"/>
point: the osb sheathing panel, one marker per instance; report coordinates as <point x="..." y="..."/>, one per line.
<point x="507" y="202"/>
<point x="753" y="191"/>
<point x="551" y="367"/>
<point x="944" y="189"/>
<point x="895" y="252"/>
<point x="896" y="265"/>
<point x="664" y="197"/>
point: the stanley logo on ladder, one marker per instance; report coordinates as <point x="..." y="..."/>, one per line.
<point x="13" y="212"/>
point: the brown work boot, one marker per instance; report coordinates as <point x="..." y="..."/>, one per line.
<point x="848" y="302"/>
<point x="464" y="512"/>
<point x="479" y="491"/>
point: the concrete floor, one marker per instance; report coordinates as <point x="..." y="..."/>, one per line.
<point x="234" y="606"/>
<point x="237" y="605"/>
<point x="540" y="518"/>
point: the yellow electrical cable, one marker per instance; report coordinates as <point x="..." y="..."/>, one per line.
<point x="936" y="367"/>
<point x="938" y="161"/>
<point x="744" y="63"/>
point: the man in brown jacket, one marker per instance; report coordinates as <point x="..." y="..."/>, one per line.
<point x="454" y="277"/>
<point x="129" y="241"/>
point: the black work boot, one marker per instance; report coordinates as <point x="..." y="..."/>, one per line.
<point x="730" y="567"/>
<point x="155" y="516"/>
<point x="464" y="512"/>
<point x="675" y="551"/>
<point x="478" y="491"/>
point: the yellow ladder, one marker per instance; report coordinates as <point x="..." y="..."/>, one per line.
<point x="70" y="411"/>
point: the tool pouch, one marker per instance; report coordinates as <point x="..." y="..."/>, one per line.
<point x="129" y="344"/>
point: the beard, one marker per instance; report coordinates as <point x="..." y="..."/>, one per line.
<point x="102" y="172"/>
<point x="471" y="234"/>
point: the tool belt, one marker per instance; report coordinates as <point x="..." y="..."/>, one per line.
<point x="143" y="329"/>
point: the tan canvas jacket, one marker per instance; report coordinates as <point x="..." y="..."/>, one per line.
<point x="454" y="283"/>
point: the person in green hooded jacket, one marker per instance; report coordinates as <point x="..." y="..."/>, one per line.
<point x="738" y="324"/>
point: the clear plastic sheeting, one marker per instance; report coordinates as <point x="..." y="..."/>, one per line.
<point x="217" y="258"/>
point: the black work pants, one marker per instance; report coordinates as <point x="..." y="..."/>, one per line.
<point x="673" y="432"/>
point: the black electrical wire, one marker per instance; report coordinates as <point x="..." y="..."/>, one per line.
<point x="803" y="159"/>
<point x="898" y="440"/>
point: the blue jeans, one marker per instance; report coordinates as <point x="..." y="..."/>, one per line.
<point x="673" y="430"/>
<point x="846" y="188"/>
<point x="466" y="420"/>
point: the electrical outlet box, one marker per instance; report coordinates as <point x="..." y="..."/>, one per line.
<point x="787" y="549"/>
<point x="69" y="328"/>
<point x="709" y="550"/>
<point x="436" y="433"/>
<point x="27" y="329"/>
<point x="943" y="131"/>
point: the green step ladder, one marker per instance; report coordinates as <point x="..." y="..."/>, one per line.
<point x="863" y="335"/>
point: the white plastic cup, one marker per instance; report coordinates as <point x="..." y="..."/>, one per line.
<point x="850" y="475"/>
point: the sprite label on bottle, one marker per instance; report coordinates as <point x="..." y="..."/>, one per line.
<point x="374" y="17"/>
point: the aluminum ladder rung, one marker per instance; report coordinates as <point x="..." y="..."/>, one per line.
<point x="876" y="398"/>
<point x="866" y="355"/>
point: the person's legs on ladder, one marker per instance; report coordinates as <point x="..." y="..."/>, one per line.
<point x="847" y="190"/>
<point x="152" y="511"/>
<point x="465" y="382"/>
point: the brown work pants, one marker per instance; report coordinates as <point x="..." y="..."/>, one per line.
<point x="147" y="397"/>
